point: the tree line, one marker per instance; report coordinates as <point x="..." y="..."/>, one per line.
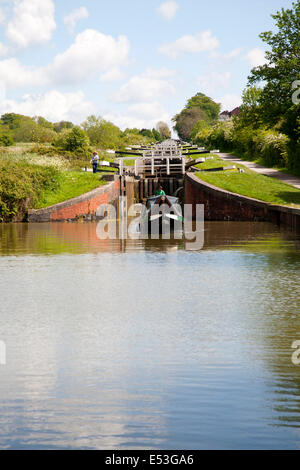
<point x="268" y="124"/>
<point x="65" y="135"/>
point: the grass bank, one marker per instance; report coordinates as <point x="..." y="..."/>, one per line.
<point x="249" y="183"/>
<point x="33" y="181"/>
<point x="70" y="184"/>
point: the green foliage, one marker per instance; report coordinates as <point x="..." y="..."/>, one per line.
<point x="101" y="133"/>
<point x="156" y="134"/>
<point x="59" y="126"/>
<point x="26" y="129"/>
<point x="198" y="108"/>
<point x="77" y="139"/>
<point x="146" y="133"/>
<point x="201" y="101"/>
<point x="129" y="138"/>
<point x="72" y="140"/>
<point x="269" y="145"/>
<point x="250" y="111"/>
<point x="282" y="68"/>
<point x="6" y="140"/>
<point x="71" y="184"/>
<point x="12" y="120"/>
<point x="43" y="122"/>
<point x="21" y="184"/>
<point x="268" y="126"/>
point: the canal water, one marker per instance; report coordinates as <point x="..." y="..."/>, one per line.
<point x="145" y="345"/>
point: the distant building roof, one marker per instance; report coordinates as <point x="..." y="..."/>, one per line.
<point x="235" y="111"/>
<point x="229" y="114"/>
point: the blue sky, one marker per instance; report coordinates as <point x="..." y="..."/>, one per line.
<point x="134" y="62"/>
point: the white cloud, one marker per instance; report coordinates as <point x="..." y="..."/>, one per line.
<point x="163" y="72"/>
<point x="14" y="75"/>
<point x="112" y="74"/>
<point x="199" y="42"/>
<point x="213" y="81"/>
<point x="4" y="50"/>
<point x="229" y="101"/>
<point x="168" y="10"/>
<point x="52" y="105"/>
<point x="221" y="59"/>
<point x="149" y="111"/>
<point x="93" y="55"/>
<point x="32" y="23"/>
<point x="234" y="53"/>
<point x="145" y="87"/>
<point x="75" y="15"/>
<point x="256" y="57"/>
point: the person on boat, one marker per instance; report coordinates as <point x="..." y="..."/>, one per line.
<point x="160" y="192"/>
<point x="95" y="162"/>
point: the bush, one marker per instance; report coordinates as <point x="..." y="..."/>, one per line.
<point x="6" y="140"/>
<point x="72" y="143"/>
<point x="21" y="184"/>
<point x="269" y="145"/>
<point x="219" y="136"/>
<point x="76" y="139"/>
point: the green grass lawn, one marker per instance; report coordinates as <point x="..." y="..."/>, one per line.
<point x="71" y="184"/>
<point x="249" y="184"/>
<point x="260" y="161"/>
<point x="129" y="162"/>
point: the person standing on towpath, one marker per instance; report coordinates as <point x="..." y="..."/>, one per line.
<point x="95" y="162"/>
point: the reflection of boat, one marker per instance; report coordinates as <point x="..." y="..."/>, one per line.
<point x="163" y="211"/>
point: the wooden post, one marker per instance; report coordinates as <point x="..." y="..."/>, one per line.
<point x="152" y="167"/>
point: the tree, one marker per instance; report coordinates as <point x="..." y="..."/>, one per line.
<point x="146" y="133"/>
<point x="163" y="129"/>
<point x="205" y="103"/>
<point x="72" y="140"/>
<point x="61" y="125"/>
<point x="250" y="111"/>
<point x="77" y="140"/>
<point x="12" y="120"/>
<point x="43" y="122"/>
<point x="281" y="69"/>
<point x="198" y="108"/>
<point x="155" y="134"/>
<point x="102" y="133"/>
<point x="186" y="121"/>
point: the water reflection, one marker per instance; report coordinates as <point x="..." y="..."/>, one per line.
<point x="140" y="344"/>
<point x="79" y="238"/>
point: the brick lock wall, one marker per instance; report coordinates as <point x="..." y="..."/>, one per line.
<point x="224" y="205"/>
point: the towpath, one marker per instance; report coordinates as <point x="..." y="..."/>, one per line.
<point x="289" y="179"/>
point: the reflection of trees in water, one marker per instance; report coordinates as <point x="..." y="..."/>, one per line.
<point x="76" y="238"/>
<point x="12" y="237"/>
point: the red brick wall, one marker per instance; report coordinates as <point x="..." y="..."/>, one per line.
<point x="86" y="204"/>
<point x="223" y="205"/>
<point x="81" y="208"/>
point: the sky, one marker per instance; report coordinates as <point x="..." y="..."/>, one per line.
<point x="132" y="62"/>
